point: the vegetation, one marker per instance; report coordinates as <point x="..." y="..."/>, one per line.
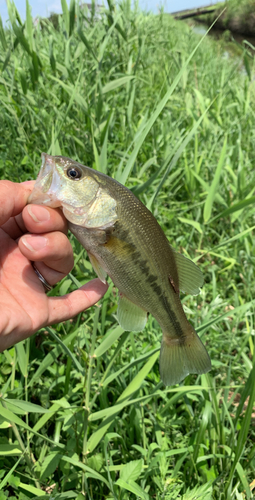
<point x="237" y="16"/>
<point x="83" y="411"/>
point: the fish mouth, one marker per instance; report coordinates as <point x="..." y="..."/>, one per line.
<point x="86" y="203"/>
<point x="47" y="184"/>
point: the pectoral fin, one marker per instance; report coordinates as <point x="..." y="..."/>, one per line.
<point x="190" y="276"/>
<point x="131" y="317"/>
<point x="97" y="268"/>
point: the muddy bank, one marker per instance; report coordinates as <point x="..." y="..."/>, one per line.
<point x="238" y="18"/>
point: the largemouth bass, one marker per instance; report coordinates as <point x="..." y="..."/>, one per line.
<point x="125" y="241"/>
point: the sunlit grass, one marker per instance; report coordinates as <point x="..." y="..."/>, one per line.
<point x="134" y="96"/>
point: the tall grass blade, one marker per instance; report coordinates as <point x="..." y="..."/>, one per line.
<point x="65" y="15"/>
<point x="234" y="238"/>
<point x="213" y="189"/>
<point x="2" y="36"/>
<point x="9" y="474"/>
<point x="29" y="26"/>
<point x="56" y="407"/>
<point x="90" y="472"/>
<point x="66" y="350"/>
<point x="139" y="378"/>
<point x="71" y="16"/>
<point x="133" y="487"/>
<point x="11" y="417"/>
<point x="10" y="449"/>
<point x="25" y="406"/>
<point x="18" y="30"/>
<point x="245" y="427"/>
<point x="192" y="223"/>
<point x="108" y="341"/>
<point x="21" y="358"/>
<point x="116" y="84"/>
<point x="86" y="42"/>
<point x="235" y="208"/>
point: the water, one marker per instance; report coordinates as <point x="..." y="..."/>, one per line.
<point x="215" y="33"/>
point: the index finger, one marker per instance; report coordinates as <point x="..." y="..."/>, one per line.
<point x="13" y="198"/>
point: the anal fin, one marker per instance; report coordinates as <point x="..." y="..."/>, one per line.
<point x="130" y="316"/>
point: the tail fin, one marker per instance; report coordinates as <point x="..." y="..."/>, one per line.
<point x="181" y="356"/>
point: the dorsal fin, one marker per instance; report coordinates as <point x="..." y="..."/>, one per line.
<point x="190" y="276"/>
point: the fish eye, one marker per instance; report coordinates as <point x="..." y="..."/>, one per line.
<point x="74" y="173"/>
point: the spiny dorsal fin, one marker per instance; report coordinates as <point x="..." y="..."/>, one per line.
<point x="130" y="317"/>
<point x="190" y="276"/>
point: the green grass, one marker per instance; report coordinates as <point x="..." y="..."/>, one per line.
<point x="84" y="413"/>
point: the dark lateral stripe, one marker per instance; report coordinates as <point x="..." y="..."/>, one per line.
<point x="138" y="261"/>
<point x="152" y="281"/>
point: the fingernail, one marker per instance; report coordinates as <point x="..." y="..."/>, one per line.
<point x="38" y="213"/>
<point x="33" y="242"/>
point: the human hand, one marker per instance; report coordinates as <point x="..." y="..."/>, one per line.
<point x="33" y="233"/>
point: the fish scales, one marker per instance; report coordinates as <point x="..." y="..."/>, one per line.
<point x="143" y="268"/>
<point x="125" y="241"/>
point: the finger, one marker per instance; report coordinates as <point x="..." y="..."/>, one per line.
<point x="14" y="227"/>
<point x="13" y="198"/>
<point x="52" y="253"/>
<point x="68" y="306"/>
<point x="35" y="219"/>
<point x="41" y="219"/>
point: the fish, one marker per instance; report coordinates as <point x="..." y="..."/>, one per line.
<point x="124" y="241"/>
